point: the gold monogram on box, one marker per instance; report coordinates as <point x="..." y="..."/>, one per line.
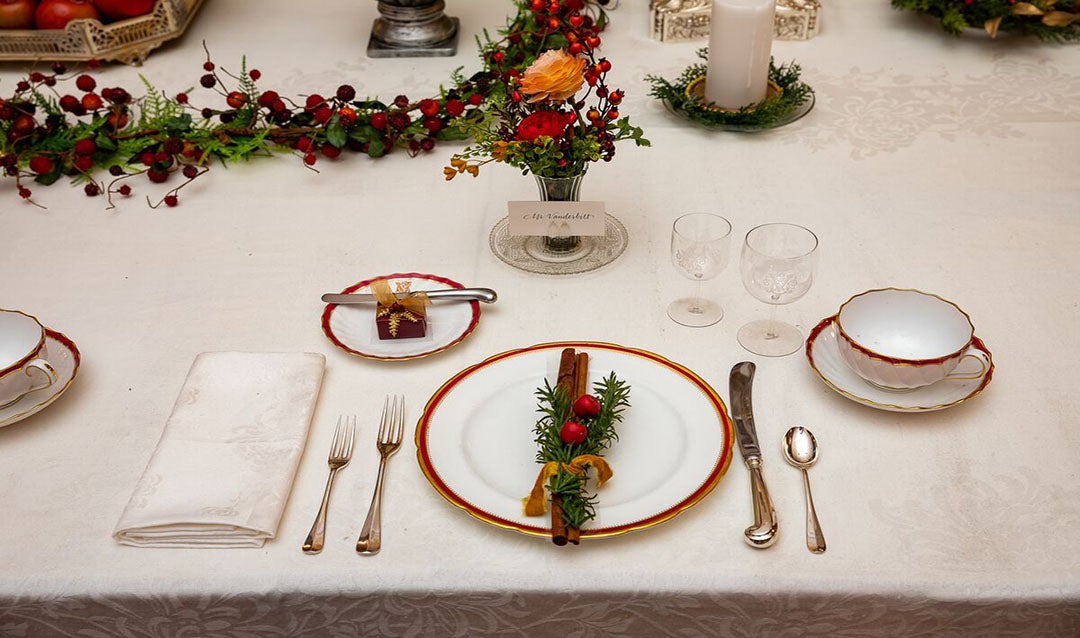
<point x="682" y="20"/>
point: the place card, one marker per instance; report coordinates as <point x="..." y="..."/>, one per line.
<point x="556" y="219"/>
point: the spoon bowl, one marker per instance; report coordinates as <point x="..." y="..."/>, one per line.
<point x="800" y="447"/>
<point x="800" y="450"/>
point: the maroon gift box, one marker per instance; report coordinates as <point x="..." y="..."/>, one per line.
<point x="398" y="322"/>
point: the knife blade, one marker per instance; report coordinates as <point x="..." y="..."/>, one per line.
<point x="762" y="533"/>
<point x="486" y="295"/>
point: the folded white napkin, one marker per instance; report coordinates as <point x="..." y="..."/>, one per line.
<point x="225" y="464"/>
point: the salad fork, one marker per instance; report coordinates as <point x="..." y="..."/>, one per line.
<point x="340" y="453"/>
<point x="391" y="428"/>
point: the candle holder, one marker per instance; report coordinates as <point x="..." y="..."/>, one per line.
<point x="684" y="20"/>
<point x="413" y="28"/>
<point x="787" y="100"/>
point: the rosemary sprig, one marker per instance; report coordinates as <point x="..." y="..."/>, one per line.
<point x="578" y="507"/>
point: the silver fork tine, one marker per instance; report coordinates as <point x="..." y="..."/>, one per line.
<point x="340" y="453"/>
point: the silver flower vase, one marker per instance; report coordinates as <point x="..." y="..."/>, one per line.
<point x="557" y="252"/>
<point x="557" y="247"/>
<point x="413" y="28"/>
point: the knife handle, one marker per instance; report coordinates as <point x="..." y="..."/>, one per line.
<point x="763" y="532"/>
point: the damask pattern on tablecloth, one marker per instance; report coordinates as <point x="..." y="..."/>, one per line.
<point x="592" y="615"/>
<point x="882" y="111"/>
<point x="981" y="520"/>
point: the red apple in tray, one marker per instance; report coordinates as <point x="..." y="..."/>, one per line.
<point x="16" y="14"/>
<point x="123" y="9"/>
<point x="55" y="14"/>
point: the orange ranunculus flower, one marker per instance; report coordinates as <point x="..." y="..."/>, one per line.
<point x="555" y="75"/>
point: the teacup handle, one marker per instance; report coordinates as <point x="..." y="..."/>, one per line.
<point x="39" y="365"/>
<point x="47" y="371"/>
<point x="978" y="352"/>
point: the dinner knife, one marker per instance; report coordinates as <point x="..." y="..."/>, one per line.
<point x="763" y="532"/>
<point x="486" y="295"/>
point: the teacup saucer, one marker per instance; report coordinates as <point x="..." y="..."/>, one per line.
<point x="65" y="358"/>
<point x="824" y="358"/>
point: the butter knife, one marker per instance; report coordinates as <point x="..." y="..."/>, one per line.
<point x="486" y="295"/>
<point x="763" y="532"/>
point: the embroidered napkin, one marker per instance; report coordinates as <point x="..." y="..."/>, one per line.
<point x="225" y="463"/>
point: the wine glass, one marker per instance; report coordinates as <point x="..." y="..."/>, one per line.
<point x="699" y="249"/>
<point x="777" y="264"/>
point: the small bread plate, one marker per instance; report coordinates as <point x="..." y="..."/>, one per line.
<point x="475" y="441"/>
<point x="824" y="357"/>
<point x="64" y="358"/>
<point x="352" y="327"/>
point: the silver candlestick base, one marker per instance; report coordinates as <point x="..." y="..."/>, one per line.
<point x="413" y="28"/>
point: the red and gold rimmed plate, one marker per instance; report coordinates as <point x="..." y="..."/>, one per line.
<point x="64" y="358"/>
<point x="824" y="356"/>
<point x="475" y="439"/>
<point x="352" y="327"/>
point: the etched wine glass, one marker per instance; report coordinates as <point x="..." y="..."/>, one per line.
<point x="777" y="265"/>
<point x="700" y="243"/>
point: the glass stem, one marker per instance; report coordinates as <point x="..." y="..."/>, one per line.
<point x="770" y="328"/>
<point x="695" y="301"/>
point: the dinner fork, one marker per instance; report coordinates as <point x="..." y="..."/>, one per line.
<point x="391" y="428"/>
<point x="340" y="453"/>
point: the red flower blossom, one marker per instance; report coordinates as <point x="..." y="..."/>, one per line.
<point x="534" y="125"/>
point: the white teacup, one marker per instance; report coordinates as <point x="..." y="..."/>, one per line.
<point x="23" y="364"/>
<point x="901" y="339"/>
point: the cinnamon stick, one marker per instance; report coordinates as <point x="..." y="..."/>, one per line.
<point x="559" y="532"/>
<point x="581" y="385"/>
<point x="581" y="375"/>
<point x="567" y="366"/>
<point x="566" y="380"/>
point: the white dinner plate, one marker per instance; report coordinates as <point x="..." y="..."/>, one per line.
<point x="824" y="357"/>
<point x="64" y="358"/>
<point x="351" y="327"/>
<point x="475" y="439"/>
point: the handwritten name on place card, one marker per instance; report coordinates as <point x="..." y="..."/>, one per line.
<point x="556" y="219"/>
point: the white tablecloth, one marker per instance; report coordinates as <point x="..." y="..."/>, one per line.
<point x="941" y="163"/>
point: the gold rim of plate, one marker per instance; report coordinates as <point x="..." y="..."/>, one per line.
<point x="476" y="511"/>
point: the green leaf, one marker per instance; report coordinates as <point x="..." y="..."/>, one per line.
<point x="376" y="149"/>
<point x="105" y="143"/>
<point x="336" y="134"/>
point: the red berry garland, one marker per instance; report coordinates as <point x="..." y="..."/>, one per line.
<point x="47" y="133"/>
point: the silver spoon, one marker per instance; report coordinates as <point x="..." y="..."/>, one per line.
<point x="800" y="450"/>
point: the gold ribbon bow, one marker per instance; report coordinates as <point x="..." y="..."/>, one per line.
<point x="413" y="302"/>
<point x="535" y="504"/>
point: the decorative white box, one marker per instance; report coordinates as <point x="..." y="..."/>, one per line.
<point x="682" y="20"/>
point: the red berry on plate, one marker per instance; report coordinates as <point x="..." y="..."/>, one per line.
<point x="586" y="407"/>
<point x="171" y="200"/>
<point x="573" y="433"/>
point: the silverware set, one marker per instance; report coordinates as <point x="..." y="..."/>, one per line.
<point x="391" y="432"/>
<point x="800" y="450"/>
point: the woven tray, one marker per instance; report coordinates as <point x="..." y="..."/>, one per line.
<point x="128" y="41"/>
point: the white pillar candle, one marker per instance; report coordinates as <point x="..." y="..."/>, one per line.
<point x="740" y="46"/>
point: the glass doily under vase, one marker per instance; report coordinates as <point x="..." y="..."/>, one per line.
<point x="563" y="255"/>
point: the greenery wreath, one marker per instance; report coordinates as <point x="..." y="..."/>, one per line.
<point x="59" y="124"/>
<point x="1052" y="20"/>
